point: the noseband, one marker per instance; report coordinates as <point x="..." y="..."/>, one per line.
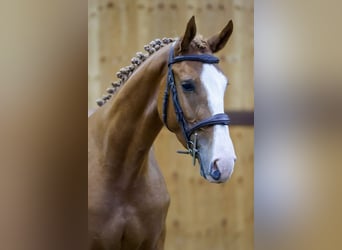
<point x="217" y="119"/>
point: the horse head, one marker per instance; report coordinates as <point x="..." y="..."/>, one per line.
<point x="192" y="105"/>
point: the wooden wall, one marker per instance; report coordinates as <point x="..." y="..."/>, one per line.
<point x="202" y="216"/>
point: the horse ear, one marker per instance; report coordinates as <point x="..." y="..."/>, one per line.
<point x="189" y="34"/>
<point x="217" y="42"/>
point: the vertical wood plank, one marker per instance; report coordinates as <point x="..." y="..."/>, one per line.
<point x="240" y="63"/>
<point x="93" y="54"/>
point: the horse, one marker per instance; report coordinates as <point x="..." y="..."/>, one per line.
<point x="177" y="84"/>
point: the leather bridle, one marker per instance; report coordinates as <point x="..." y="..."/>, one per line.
<point x="217" y="119"/>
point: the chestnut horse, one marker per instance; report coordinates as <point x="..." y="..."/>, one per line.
<point x="177" y="84"/>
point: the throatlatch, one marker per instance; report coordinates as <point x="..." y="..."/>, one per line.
<point x="217" y="119"/>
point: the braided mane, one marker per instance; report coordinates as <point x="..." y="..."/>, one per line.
<point x="124" y="73"/>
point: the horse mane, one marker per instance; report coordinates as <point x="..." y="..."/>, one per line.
<point x="124" y="73"/>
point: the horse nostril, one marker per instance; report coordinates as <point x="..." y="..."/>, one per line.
<point x="214" y="171"/>
<point x="215" y="174"/>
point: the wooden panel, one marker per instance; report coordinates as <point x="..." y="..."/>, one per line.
<point x="202" y="215"/>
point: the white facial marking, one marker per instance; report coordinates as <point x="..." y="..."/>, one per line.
<point x="215" y="83"/>
<point x="222" y="148"/>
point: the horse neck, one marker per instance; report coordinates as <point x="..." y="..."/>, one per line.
<point x="131" y="121"/>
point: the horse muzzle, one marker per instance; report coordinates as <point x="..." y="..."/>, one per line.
<point x="220" y="170"/>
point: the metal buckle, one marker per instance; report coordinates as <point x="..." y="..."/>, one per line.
<point x="191" y="149"/>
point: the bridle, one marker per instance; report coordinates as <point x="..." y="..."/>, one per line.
<point x="217" y="119"/>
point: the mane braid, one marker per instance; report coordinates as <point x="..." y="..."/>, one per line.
<point x="124" y="73"/>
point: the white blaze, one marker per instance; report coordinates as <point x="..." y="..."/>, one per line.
<point x="222" y="148"/>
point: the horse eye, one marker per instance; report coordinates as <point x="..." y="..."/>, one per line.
<point x="188" y="86"/>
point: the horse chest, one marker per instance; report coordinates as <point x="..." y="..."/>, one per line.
<point x="134" y="217"/>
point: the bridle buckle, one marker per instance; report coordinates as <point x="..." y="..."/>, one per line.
<point x="191" y="149"/>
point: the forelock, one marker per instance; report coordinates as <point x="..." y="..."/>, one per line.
<point x="199" y="43"/>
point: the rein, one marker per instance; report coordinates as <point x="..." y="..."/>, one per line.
<point x="217" y="119"/>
